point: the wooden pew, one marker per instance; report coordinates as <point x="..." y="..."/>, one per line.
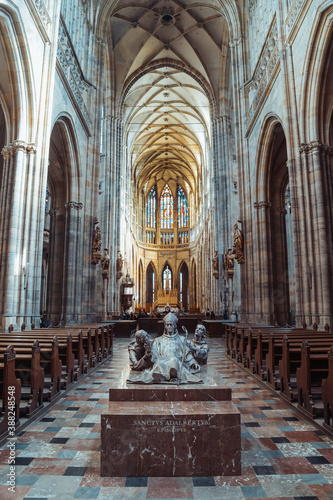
<point x="270" y="370"/>
<point x="65" y="352"/>
<point x="327" y="394"/>
<point x="10" y="387"/>
<point x="28" y="369"/>
<point x="309" y="377"/>
<point x="263" y="356"/>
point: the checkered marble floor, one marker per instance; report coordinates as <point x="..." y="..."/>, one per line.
<point x="58" y="455"/>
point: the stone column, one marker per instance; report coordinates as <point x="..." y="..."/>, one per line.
<point x="319" y="232"/>
<point x="111" y="215"/>
<point x="72" y="279"/>
<point x="17" y="235"/>
<point x="262" y="269"/>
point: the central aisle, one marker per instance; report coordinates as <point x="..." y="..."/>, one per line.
<point x="282" y="455"/>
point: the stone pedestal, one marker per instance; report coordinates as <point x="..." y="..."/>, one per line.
<point x="170" y="430"/>
<point x="197" y="438"/>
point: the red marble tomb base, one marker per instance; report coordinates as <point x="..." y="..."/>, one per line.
<point x="169" y="430"/>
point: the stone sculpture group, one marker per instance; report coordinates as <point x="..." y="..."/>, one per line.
<point x="171" y="358"/>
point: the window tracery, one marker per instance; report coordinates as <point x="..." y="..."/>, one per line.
<point x="182" y="207"/>
<point x="166" y="208"/>
<point x="151" y="208"/>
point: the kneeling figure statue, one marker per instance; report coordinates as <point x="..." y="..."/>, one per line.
<point x="167" y="359"/>
<point x="199" y="345"/>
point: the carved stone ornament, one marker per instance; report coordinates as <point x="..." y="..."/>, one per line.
<point x="12" y="148"/>
<point x="96" y="246"/>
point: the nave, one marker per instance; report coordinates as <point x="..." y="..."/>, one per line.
<point x="58" y="455"/>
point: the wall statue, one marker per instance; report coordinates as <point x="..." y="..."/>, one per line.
<point x="238" y="249"/>
<point x="229" y="261"/>
<point x="120" y="261"/>
<point x="105" y="263"/>
<point x="215" y="264"/>
<point x="96" y="246"/>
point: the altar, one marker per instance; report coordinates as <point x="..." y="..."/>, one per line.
<point x="166" y="297"/>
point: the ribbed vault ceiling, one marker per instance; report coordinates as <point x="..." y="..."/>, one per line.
<point x="168" y="60"/>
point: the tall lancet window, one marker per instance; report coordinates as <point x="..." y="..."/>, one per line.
<point x="166" y="208"/>
<point x="167" y="278"/>
<point x="182" y="208"/>
<point x="151" y="208"/>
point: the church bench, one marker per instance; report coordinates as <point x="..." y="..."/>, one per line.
<point x="270" y="369"/>
<point x="257" y="345"/>
<point x="49" y="361"/>
<point x="65" y="350"/>
<point x="28" y="369"/>
<point x="10" y="392"/>
<point x="327" y="393"/>
<point x="269" y="347"/>
<point x="309" y="377"/>
<point x="76" y="355"/>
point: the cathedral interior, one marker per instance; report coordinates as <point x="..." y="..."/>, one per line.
<point x="167" y="153"/>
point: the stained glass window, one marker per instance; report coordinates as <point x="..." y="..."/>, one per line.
<point x="183" y="237"/>
<point x="167" y="278"/>
<point x="182" y="208"/>
<point x="151" y="208"/>
<point x="166" y="208"/>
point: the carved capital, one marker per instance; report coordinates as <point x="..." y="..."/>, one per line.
<point x="314" y="147"/>
<point x="100" y="41"/>
<point x="261" y="204"/>
<point x="17" y="145"/>
<point x="52" y="212"/>
<point x="7" y="151"/>
<point x="235" y="41"/>
<point x="73" y="204"/>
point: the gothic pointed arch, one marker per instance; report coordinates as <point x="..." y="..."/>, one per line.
<point x="316" y="125"/>
<point x="276" y="247"/>
<point x="151" y="285"/>
<point x="15" y="80"/>
<point x="61" y="248"/>
<point x="140" y="283"/>
<point x="183" y="285"/>
<point x="167" y="277"/>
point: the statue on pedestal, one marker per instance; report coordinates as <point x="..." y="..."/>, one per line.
<point x="229" y="262"/>
<point x="96" y="246"/>
<point x="105" y="263"/>
<point x="119" y="265"/>
<point x="215" y="264"/>
<point x="238" y="249"/>
<point x="171" y="357"/>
